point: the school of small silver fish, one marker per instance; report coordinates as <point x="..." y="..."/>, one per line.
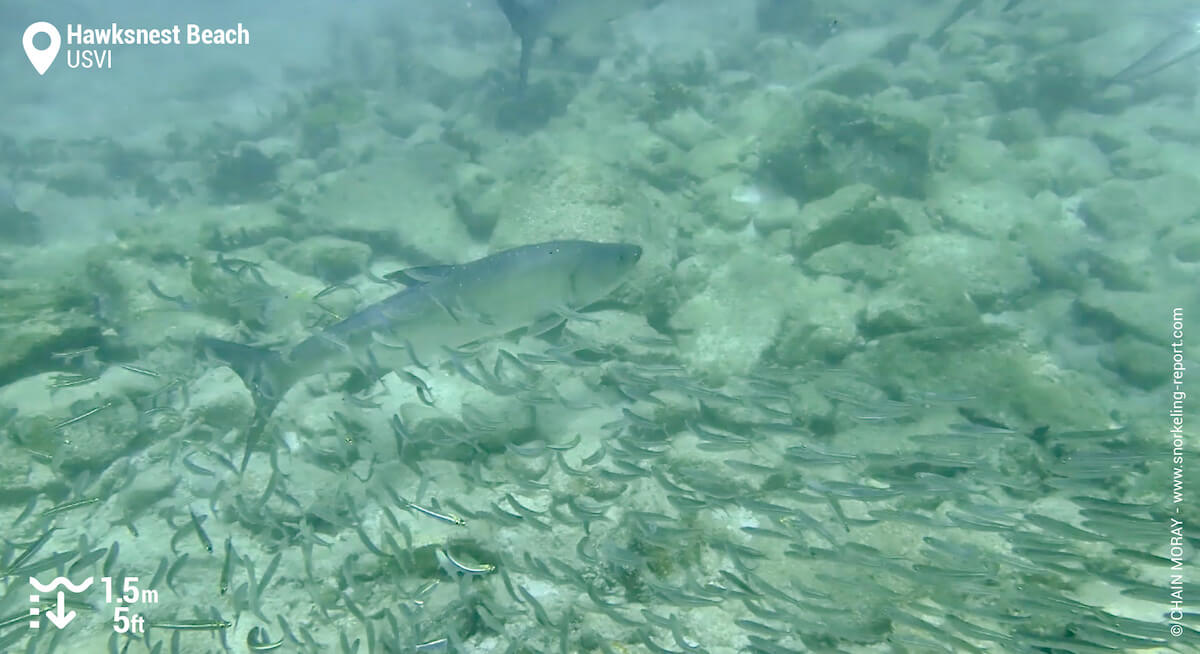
<point x="505" y="457"/>
<point x="637" y="509"/>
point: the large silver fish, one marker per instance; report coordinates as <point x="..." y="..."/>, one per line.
<point x="938" y="36"/>
<point x="1177" y="47"/>
<point x="559" y="19"/>
<point x="445" y="307"/>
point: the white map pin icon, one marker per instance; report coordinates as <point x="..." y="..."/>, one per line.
<point x="41" y="59"/>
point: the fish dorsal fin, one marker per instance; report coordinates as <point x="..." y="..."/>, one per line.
<point x="419" y="275"/>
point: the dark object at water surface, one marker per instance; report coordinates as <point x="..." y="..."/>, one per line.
<point x="559" y="20"/>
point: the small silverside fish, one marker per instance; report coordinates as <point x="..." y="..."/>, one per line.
<point x="67" y="381"/>
<point x="204" y="539"/>
<point x="227" y="568"/>
<point x="69" y="505"/>
<point x="452" y="519"/>
<point x="258" y="641"/>
<point x="193" y="625"/>
<point x="84" y="415"/>
<point x="452" y="567"/>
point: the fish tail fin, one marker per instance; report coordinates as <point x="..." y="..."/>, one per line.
<point x="265" y="374"/>
<point x="260" y="368"/>
<point x="526" y="25"/>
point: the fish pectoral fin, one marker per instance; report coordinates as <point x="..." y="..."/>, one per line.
<point x="546" y="324"/>
<point x="481" y="318"/>
<point x="423" y="391"/>
<point x="419" y="275"/>
<point x="458" y="311"/>
<point x="444" y="307"/>
<point x="564" y="312"/>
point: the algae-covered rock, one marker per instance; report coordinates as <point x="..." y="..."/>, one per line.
<point x="851" y="215"/>
<point x="667" y="97"/>
<point x="948" y="281"/>
<point x="661" y="162"/>
<point x="1068" y="165"/>
<point x="1137" y="362"/>
<point x="1122" y="209"/>
<point x="992" y="274"/>
<point x="578" y="198"/>
<point x="870" y="264"/>
<point x="1113" y="313"/>
<point x="88" y="434"/>
<point x="282" y="300"/>
<point x="823" y="326"/>
<point x="298" y="172"/>
<point x="324" y="111"/>
<point x="233" y="294"/>
<point x="1185" y="243"/>
<point x="775" y="213"/>
<point x="19" y="227"/>
<point x="991" y="210"/>
<point x="1050" y="82"/>
<point x="319" y="133"/>
<point x="326" y="257"/>
<point x="78" y="178"/>
<point x="118" y="277"/>
<point x="825" y="141"/>
<point x="1119" y="269"/>
<point x="1018" y="126"/>
<point x="1019" y="387"/>
<point x="859" y="79"/>
<point x="971" y="158"/>
<point x="404" y="118"/>
<point x="40" y="317"/>
<point x="155" y="191"/>
<point x="541" y="102"/>
<point x="394" y="208"/>
<point x="243" y="174"/>
<point x="719" y="155"/>
<point x="686" y="129"/>
<point x="802" y="18"/>
<point x="232" y="228"/>
<point x="915" y="307"/>
<point x="478" y="199"/>
<point x="16" y="226"/>
<point x="717" y="201"/>
<point x="727" y="326"/>
<point x="219" y="399"/>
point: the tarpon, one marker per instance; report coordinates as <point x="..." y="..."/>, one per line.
<point x="1177" y="47"/>
<point x="938" y="36"/>
<point x="445" y="307"/>
<point x="558" y="20"/>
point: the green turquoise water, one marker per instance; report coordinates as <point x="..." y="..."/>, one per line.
<point x="903" y="366"/>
